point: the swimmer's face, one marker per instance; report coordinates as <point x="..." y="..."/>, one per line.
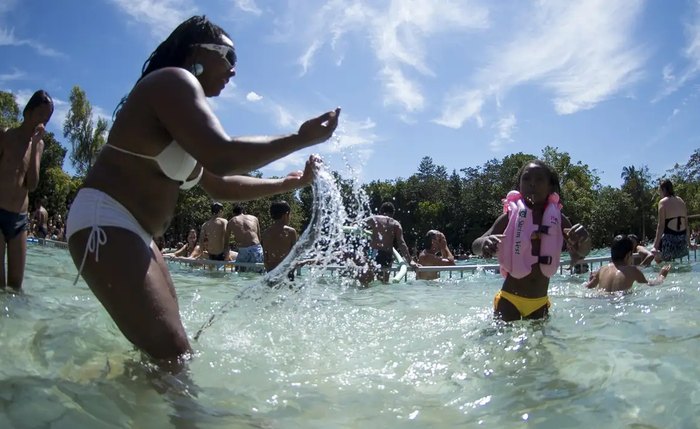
<point x="192" y="235"/>
<point x="40" y="114"/>
<point x="219" y="63"/>
<point x="534" y="184"/>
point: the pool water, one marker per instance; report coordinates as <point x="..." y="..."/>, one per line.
<point x="416" y="354"/>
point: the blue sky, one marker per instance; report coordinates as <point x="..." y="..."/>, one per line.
<point x="612" y="82"/>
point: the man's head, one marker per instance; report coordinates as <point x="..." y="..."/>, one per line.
<point x="216" y="207"/>
<point x="278" y="209"/>
<point x="621" y="248"/>
<point x="39" y="108"/>
<point x="431" y="237"/>
<point x="238" y="209"/>
<point x="387" y="209"/>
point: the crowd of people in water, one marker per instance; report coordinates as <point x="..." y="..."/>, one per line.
<point x="165" y="137"/>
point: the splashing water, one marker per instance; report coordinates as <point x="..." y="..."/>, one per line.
<point x="323" y="246"/>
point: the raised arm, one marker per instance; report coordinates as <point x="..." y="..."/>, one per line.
<point x="487" y="244"/>
<point x="659" y="279"/>
<point x="245" y="188"/>
<point x="180" y="104"/>
<point x="37" y="149"/>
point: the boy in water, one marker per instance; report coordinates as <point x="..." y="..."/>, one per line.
<point x="279" y="238"/>
<point x="20" y="157"/>
<point x="524" y="293"/>
<point x="621" y="273"/>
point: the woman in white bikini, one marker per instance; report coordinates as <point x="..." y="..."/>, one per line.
<point x="165" y="137"/>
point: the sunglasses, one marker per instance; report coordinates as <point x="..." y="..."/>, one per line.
<point x="225" y="51"/>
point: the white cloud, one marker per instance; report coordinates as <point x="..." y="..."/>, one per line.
<point x="397" y="34"/>
<point x="161" y="16"/>
<point x="14" y="75"/>
<point x="460" y="107"/>
<point x="674" y="81"/>
<point x="248" y="6"/>
<point x="7" y="38"/>
<point x="504" y="132"/>
<point x="582" y="52"/>
<point x="253" y="96"/>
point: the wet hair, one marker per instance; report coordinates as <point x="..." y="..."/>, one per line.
<point x="621" y="246"/>
<point x="37" y="99"/>
<point x="216" y="207"/>
<point x="173" y="51"/>
<point x="238" y="209"/>
<point x="279" y="209"/>
<point x="429" y="237"/>
<point x="553" y="176"/>
<point x="667" y="187"/>
<point x="634" y="238"/>
<point x="387" y="209"/>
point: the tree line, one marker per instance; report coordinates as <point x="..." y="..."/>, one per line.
<point x="462" y="204"/>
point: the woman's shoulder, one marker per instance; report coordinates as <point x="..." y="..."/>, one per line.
<point x="170" y="77"/>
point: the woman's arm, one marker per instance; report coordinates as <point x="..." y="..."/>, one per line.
<point x="246" y="188"/>
<point x="660" y="225"/>
<point x="180" y="104"/>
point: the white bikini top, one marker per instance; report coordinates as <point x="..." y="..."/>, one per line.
<point x="174" y="162"/>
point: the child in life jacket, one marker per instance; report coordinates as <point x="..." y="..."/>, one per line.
<point x="528" y="239"/>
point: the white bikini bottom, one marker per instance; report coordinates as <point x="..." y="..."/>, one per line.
<point x="94" y="209"/>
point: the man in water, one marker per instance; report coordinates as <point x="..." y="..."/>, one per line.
<point x="436" y="253"/>
<point x="621" y="274"/>
<point x="279" y="238"/>
<point x="214" y="233"/>
<point x="387" y="234"/>
<point x="246" y="231"/>
<point x="41" y="219"/>
<point x="20" y="157"/>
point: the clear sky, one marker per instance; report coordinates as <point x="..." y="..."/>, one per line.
<point x="612" y="82"/>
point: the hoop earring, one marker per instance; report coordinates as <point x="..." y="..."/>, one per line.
<point x="196" y="69"/>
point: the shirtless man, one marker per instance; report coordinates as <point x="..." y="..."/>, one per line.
<point x="436" y="253"/>
<point x="41" y="219"/>
<point x="621" y="274"/>
<point x="279" y="238"/>
<point x="387" y="233"/>
<point x="215" y="233"/>
<point x="246" y="231"/>
<point x="20" y="158"/>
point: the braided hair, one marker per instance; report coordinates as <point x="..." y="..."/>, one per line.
<point x="173" y="51"/>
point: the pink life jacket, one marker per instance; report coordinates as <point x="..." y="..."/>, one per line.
<point x="515" y="250"/>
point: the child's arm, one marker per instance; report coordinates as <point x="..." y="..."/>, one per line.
<point x="646" y="255"/>
<point x="487" y="244"/>
<point x="659" y="279"/>
<point x="593" y="280"/>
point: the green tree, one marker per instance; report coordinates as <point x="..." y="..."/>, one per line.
<point x="86" y="137"/>
<point x="637" y="184"/>
<point x="9" y="110"/>
<point x="611" y="215"/>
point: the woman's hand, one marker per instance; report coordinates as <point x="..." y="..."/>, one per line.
<point x="307" y="176"/>
<point x="319" y="129"/>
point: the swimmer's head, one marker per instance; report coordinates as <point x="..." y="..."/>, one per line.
<point x="666" y="188"/>
<point x="216" y="207"/>
<point x="387" y="209"/>
<point x="278" y="209"/>
<point x="622" y="247"/>
<point x="39" y="108"/>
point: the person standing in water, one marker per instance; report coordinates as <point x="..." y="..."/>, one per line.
<point x="387" y="234"/>
<point x="279" y="238"/>
<point x="20" y="158"/>
<point x="41" y="219"/>
<point x="672" y="234"/>
<point x="214" y="232"/>
<point x="246" y="232"/>
<point x="528" y="238"/>
<point x="164" y="138"/>
<point x="436" y="253"/>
